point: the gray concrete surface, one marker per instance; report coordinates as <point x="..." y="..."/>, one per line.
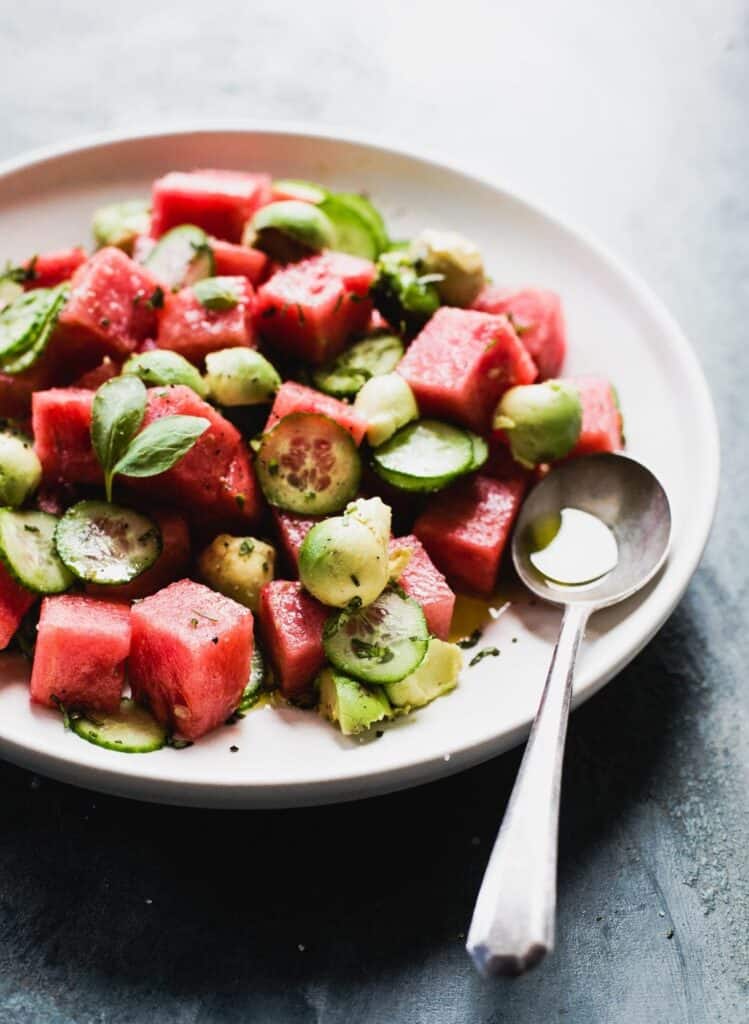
<point x="632" y="120"/>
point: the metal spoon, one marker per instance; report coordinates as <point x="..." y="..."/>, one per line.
<point x="513" y="921"/>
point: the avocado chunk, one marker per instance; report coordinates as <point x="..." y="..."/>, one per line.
<point x="455" y="259"/>
<point x="349" y="704"/>
<point x="387" y="403"/>
<point x="119" y="224"/>
<point x="542" y="421"/>
<point x="241" y="376"/>
<point x="436" y="675"/>
<point x="238" y="567"/>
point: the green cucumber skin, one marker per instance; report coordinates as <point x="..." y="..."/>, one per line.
<point x="354" y="234"/>
<point x="87" y="728"/>
<point x="416" y="482"/>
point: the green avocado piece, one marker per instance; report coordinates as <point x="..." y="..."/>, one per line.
<point x="436" y="675"/>
<point x="542" y="421"/>
<point x="349" y="704"/>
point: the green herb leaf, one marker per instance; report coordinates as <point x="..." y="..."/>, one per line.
<point x="485" y="652"/>
<point x="470" y="641"/>
<point x="217" y="293"/>
<point x="119" y="407"/>
<point x="161" y="445"/>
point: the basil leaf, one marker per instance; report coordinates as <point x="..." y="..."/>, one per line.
<point x="162" y="367"/>
<point x="119" y="407"/>
<point x="217" y="293"/>
<point x="161" y="445"/>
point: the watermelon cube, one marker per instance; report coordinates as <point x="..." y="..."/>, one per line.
<point x="190" y="656"/>
<point x="538" y="320"/>
<point x="61" y="424"/>
<point x="293" y="397"/>
<point x="51" y="268"/>
<point x="187" y="327"/>
<point x="108" y="312"/>
<point x="239" y="261"/>
<point x="462" y="362"/>
<point x="17" y="389"/>
<point x="100" y="374"/>
<point x="291" y="624"/>
<point x="219" y="202"/>
<point x="291" y="530"/>
<point x="171" y="564"/>
<point x="214" y="482"/>
<point x="602" y="420"/>
<point x="423" y="581"/>
<point x="81" y="648"/>
<point x="465" y="529"/>
<point x="15" y="601"/>
<point x="309" y="310"/>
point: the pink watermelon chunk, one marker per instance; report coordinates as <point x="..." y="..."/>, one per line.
<point x="81" y="648"/>
<point x="466" y="528"/>
<point x="239" y="261"/>
<point x="219" y="202"/>
<point x="214" y="482"/>
<point x="17" y="389"/>
<point x="423" y="581"/>
<point x="108" y="312"/>
<point x="462" y="362"/>
<point x="187" y="327"/>
<point x="61" y="423"/>
<point x="293" y="397"/>
<point x="190" y="656"/>
<point x="291" y="530"/>
<point x="538" y="319"/>
<point x="15" y="601"/>
<point x="602" y="419"/>
<point x="171" y="564"/>
<point x="291" y="623"/>
<point x="100" y="374"/>
<point x="51" y="268"/>
<point x="309" y="310"/>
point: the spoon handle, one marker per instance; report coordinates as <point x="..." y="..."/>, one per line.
<point x="513" y="921"/>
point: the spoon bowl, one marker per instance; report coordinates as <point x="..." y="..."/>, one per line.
<point x="621" y="493"/>
<point x="513" y="922"/>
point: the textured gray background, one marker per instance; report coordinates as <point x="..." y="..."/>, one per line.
<point x="633" y="120"/>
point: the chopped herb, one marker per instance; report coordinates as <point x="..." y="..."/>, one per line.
<point x="156" y="300"/>
<point x="338" y="302"/>
<point x="670" y="933"/>
<point x="105" y="321"/>
<point x="485" y="652"/>
<point x="270" y="311"/>
<point x="514" y="639"/>
<point x="214" y="639"/>
<point x="240" y="499"/>
<point x="470" y="641"/>
<point x="355" y="580"/>
<point x="178" y="744"/>
<point x="300" y="313"/>
<point x="372" y="652"/>
<point x="194" y="623"/>
<point x="246" y="548"/>
<point x="273" y="467"/>
<point x="380" y="733"/>
<point x="233" y="748"/>
<point x="356" y="298"/>
<point x="31" y="529"/>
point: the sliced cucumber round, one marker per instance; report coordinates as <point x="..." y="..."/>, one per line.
<point x="370" y="357"/>
<point x="26" y="326"/>
<point x="251" y="692"/>
<point x="382" y="642"/>
<point x="27" y="549"/>
<point x="353" y="232"/>
<point x="368" y="212"/>
<point x="308" y="464"/>
<point x="104" y="543"/>
<point x="181" y="257"/>
<point x="424" y="456"/>
<point x="131" y="730"/>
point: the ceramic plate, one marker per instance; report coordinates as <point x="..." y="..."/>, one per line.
<point x="616" y="327"/>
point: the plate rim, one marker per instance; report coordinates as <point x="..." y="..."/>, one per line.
<point x="216" y="793"/>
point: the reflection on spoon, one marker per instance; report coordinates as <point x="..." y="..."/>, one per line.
<point x="576" y="548"/>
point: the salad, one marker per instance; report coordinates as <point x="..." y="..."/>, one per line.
<point x="252" y="447"/>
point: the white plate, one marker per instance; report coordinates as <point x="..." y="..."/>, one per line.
<point x="616" y="327"/>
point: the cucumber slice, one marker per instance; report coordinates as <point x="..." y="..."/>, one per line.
<point x="309" y="464"/>
<point x="354" y="233"/>
<point x="181" y="257"/>
<point x="296" y="188"/>
<point x="251" y="692"/>
<point x="368" y="212"/>
<point x="131" y="730"/>
<point x="26" y="325"/>
<point x="382" y="642"/>
<point x="10" y="290"/>
<point x="104" y="543"/>
<point x="424" y="456"/>
<point x="370" y="357"/>
<point x="27" y="549"/>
